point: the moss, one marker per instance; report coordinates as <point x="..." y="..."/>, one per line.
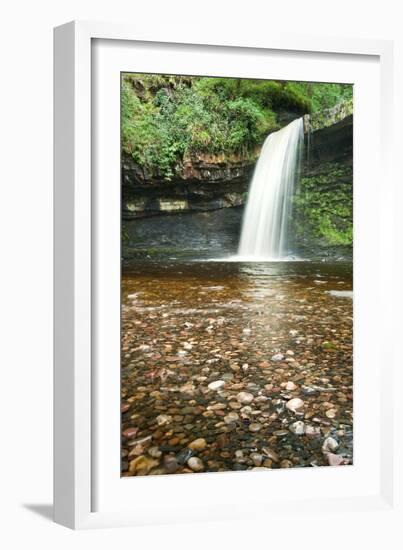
<point x="323" y="207"/>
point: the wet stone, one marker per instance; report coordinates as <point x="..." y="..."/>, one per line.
<point x="195" y="464"/>
<point x="183" y="456"/>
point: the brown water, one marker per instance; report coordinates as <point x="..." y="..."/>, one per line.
<point x="274" y="331"/>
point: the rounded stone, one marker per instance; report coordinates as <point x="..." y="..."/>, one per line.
<point x="216" y="385"/>
<point x="255" y="427"/>
<point x="244" y="397"/>
<point x="195" y="464"/>
<point x="257" y="459"/>
<point x="170" y="464"/>
<point x="295" y="405"/>
<point x="297" y="428"/>
<point x="330" y="444"/>
<point x="198" y="444"/>
<point x="163" y="419"/>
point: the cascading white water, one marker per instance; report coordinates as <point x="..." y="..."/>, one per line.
<point x="265" y="225"/>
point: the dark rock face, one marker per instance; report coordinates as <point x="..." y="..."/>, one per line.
<point x="330" y="144"/>
<point x="205" y="183"/>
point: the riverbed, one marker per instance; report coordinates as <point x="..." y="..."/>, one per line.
<point x="231" y="366"/>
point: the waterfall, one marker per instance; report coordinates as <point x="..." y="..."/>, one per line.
<point x="266" y="220"/>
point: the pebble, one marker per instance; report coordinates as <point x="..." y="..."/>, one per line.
<point x="277" y="357"/>
<point x="164" y="419"/>
<point x="142" y="465"/>
<point x="297" y="428"/>
<point x="124" y="407"/>
<point x="330" y="444"/>
<point x="312" y="431"/>
<point x="295" y="405"/>
<point x="154" y="452"/>
<point x="336" y="460"/>
<point x="290" y="386"/>
<point x="129" y="433"/>
<point x="195" y="464"/>
<point x="170" y="464"/>
<point x="270" y="454"/>
<point x="286" y="464"/>
<point x="183" y="456"/>
<point x="237" y="467"/>
<point x="231" y="417"/>
<point x="244" y="397"/>
<point x="198" y="444"/>
<point x="257" y="459"/>
<point x="217" y="385"/>
<point x="255" y="427"/>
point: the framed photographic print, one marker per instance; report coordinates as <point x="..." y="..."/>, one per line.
<point x="212" y="204"/>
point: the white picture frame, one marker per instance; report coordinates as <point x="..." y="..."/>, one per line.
<point x="85" y="495"/>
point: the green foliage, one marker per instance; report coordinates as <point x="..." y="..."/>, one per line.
<point x="166" y="117"/>
<point x="323" y="207"/>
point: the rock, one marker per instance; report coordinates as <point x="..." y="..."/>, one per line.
<point x="170" y="464"/>
<point x="312" y="431"/>
<point x="257" y="459"/>
<point x="183" y="456"/>
<point x="137" y="450"/>
<point x="297" y="428"/>
<point x="217" y="385"/>
<point x="289" y="352"/>
<point x="198" y="444"/>
<point x="217" y="407"/>
<point x="255" y="427"/>
<point x="237" y="467"/>
<point x="195" y="464"/>
<point x="336" y="460"/>
<point x="295" y="405"/>
<point x="270" y="454"/>
<point x="290" y="386"/>
<point x="246" y="331"/>
<point x="141" y="441"/>
<point x="124" y="407"/>
<point x="129" y="433"/>
<point x="277" y="357"/>
<point x="142" y="465"/>
<point x="286" y="464"/>
<point x="330" y="444"/>
<point x="154" y="452"/>
<point x="164" y="419"/>
<point x="307" y="390"/>
<point x="280" y="433"/>
<point x="331" y="413"/>
<point x="231" y="417"/>
<point x="244" y="397"/>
